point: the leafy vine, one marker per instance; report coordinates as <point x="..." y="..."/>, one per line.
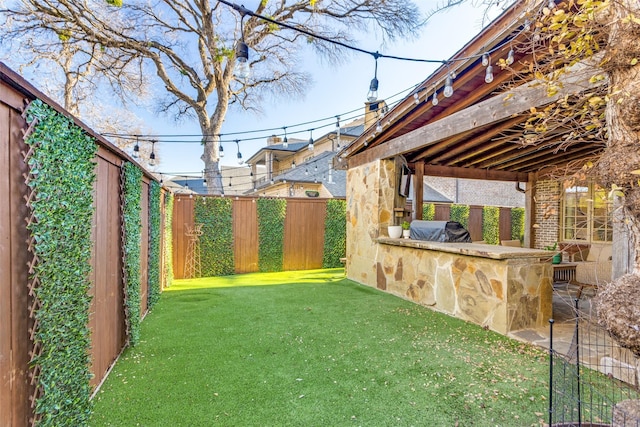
<point x="271" y="215"/>
<point x="216" y="242"/>
<point x="63" y="175"/>
<point x="132" y="189"/>
<point x="335" y="233"/>
<point x="154" y="243"/>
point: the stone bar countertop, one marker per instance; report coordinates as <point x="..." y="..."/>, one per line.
<point x="481" y="250"/>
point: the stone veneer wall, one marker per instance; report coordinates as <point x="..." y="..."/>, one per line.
<point x="547" y="213"/>
<point x="504" y="295"/>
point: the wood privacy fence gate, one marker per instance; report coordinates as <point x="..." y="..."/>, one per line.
<point x="18" y="389"/>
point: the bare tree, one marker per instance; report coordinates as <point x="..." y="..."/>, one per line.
<point x="191" y="45"/>
<point x="76" y="73"/>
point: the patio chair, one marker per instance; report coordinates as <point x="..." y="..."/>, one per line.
<point x="596" y="269"/>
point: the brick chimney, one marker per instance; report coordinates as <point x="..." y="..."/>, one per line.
<point x="273" y="140"/>
<point x="373" y="111"/>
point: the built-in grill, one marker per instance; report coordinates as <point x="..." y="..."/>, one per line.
<point x="439" y="231"/>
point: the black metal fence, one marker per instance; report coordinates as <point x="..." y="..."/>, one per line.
<point x="592" y="380"/>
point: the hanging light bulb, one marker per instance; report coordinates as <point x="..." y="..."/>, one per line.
<point x="488" y="77"/>
<point x="448" y="87"/>
<point x="379" y="127"/>
<point x="485" y="59"/>
<point x="221" y="151"/>
<point x="315" y="168"/>
<point x="552" y="4"/>
<point x="338" y="122"/>
<point x="310" y="140"/>
<point x="453" y="74"/>
<point x="285" y="142"/>
<point x="434" y="99"/>
<point x="136" y="149"/>
<point x="293" y="164"/>
<point x="416" y="98"/>
<point x="510" y="57"/>
<point x="242" y="70"/>
<point x="204" y="179"/>
<point x="152" y="156"/>
<point x="229" y="181"/>
<point x="306" y="171"/>
<point x="373" y="86"/>
<point x="240" y="161"/>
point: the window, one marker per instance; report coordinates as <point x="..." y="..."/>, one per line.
<point x="586" y="214"/>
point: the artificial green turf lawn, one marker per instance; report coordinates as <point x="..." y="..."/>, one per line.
<point x="316" y="349"/>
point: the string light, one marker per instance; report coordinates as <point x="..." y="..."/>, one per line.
<point x="373" y="86"/>
<point x="378" y="127"/>
<point x="136" y="149"/>
<point x="152" y="156"/>
<point x="310" y="140"/>
<point x="204" y="179"/>
<point x="488" y="76"/>
<point x="448" y="86"/>
<point x="510" y="57"/>
<point x="485" y="59"/>
<point x="416" y="98"/>
<point x="242" y="70"/>
<point x="434" y="99"/>
<point x="221" y="151"/>
<point x="293" y="164"/>
<point x="240" y="161"/>
<point x="285" y="141"/>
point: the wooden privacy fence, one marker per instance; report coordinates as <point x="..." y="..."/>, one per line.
<point x="19" y="386"/>
<point x="475" y="220"/>
<point x="303" y="242"/>
<point x="303" y="233"/>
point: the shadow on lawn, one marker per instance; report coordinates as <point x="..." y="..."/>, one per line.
<point x="260" y="279"/>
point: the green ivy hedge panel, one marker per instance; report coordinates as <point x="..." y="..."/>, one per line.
<point x="132" y="192"/>
<point x="517" y="223"/>
<point x="154" y="242"/>
<point x="216" y="242"/>
<point x="335" y="233"/>
<point x="168" y="239"/>
<point x="491" y="225"/>
<point x="460" y="213"/>
<point x="271" y="215"/>
<point x="63" y="177"/>
<point x="428" y="211"/>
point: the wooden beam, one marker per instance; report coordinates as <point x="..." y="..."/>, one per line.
<point x="493" y="110"/>
<point x="418" y="190"/>
<point x="484" y="174"/>
<point x="475" y="145"/>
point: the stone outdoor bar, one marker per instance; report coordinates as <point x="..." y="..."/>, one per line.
<point x="502" y="288"/>
<point x="499" y="287"/>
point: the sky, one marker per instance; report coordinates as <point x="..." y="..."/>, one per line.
<point x="336" y="90"/>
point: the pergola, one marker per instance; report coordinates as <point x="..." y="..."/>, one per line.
<point x="479" y="131"/>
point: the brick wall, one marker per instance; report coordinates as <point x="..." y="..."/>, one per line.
<point x="478" y="192"/>
<point x="547" y="213"/>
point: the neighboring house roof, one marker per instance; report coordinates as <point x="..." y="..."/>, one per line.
<point x="317" y="170"/>
<point x="352" y="130"/>
<point x="187" y="185"/>
<point x="431" y="195"/>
